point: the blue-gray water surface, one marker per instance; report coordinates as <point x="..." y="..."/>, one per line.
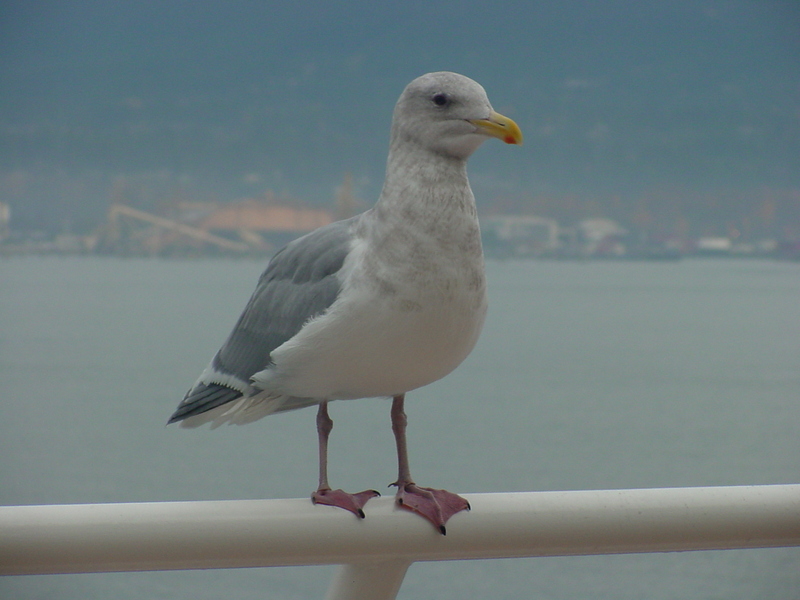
<point x="587" y="376"/>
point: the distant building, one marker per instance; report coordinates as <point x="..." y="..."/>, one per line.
<point x="263" y="224"/>
<point x="249" y="226"/>
<point x="261" y="217"/>
<point x="602" y="237"/>
<point x="519" y="236"/>
<point x="713" y="245"/>
<point x="597" y="230"/>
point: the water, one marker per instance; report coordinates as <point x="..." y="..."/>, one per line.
<point x="587" y="376"/>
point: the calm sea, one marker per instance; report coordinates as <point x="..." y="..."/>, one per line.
<point x="587" y="376"/>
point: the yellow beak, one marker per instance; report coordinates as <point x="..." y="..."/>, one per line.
<point x="500" y="127"/>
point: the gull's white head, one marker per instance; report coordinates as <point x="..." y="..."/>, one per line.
<point x="447" y="113"/>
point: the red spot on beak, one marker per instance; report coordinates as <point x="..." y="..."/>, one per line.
<point x="509" y="140"/>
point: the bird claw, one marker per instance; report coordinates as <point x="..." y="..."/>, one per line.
<point x="435" y="505"/>
<point x="352" y="502"/>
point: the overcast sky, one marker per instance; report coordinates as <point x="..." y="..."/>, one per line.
<point x="614" y="98"/>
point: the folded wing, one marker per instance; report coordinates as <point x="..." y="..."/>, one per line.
<point x="299" y="284"/>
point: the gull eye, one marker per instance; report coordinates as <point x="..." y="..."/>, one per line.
<point x="441" y="99"/>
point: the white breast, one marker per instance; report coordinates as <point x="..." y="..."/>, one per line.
<point x="397" y="326"/>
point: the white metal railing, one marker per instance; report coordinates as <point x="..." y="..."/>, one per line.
<point x="375" y="552"/>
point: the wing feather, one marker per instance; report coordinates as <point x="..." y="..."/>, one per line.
<point x="299" y="283"/>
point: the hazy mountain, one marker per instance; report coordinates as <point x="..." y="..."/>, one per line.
<point x="643" y="110"/>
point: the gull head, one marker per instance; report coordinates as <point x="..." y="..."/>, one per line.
<point x="449" y="114"/>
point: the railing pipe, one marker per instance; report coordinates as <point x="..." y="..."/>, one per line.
<point x="260" y="533"/>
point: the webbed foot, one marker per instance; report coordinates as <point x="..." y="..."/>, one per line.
<point x="352" y="502"/>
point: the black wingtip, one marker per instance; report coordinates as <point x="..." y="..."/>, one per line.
<point x="202" y="398"/>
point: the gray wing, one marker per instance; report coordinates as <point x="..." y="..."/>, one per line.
<point x="299" y="283"/>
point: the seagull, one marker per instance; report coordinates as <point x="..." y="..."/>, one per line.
<point x="372" y="306"/>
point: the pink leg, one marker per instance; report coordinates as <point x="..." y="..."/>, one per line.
<point x="324" y="494"/>
<point x="435" y="505"/>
